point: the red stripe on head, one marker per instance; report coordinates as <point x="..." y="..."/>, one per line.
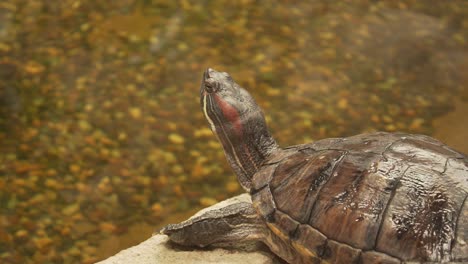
<point x="231" y="114"/>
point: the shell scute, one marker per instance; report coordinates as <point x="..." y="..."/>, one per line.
<point x="460" y="247"/>
<point x="309" y="242"/>
<point x="263" y="202"/>
<point x="353" y="196"/>
<point x="263" y="177"/>
<point x="309" y="173"/>
<point x="421" y="216"/>
<point x="372" y="257"/>
<point x="342" y="253"/>
<point x="283" y="225"/>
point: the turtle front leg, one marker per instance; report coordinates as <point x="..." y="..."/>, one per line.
<point x="233" y="223"/>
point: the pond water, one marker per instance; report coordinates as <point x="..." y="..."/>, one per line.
<point x="102" y="136"/>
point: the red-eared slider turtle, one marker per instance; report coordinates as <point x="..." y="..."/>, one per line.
<point x="370" y="198"/>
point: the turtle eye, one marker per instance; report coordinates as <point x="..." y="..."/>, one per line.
<point x="210" y="85"/>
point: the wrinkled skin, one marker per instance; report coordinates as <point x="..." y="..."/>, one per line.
<point x="371" y="198"/>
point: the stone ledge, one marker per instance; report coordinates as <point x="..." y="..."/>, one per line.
<point x="157" y="249"/>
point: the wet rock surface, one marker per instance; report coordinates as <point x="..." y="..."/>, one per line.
<point x="157" y="250"/>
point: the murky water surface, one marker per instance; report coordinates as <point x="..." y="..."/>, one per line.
<point x="102" y="136"/>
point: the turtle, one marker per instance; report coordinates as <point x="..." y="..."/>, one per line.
<point x="371" y="198"/>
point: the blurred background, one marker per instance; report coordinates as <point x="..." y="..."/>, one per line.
<point x="102" y="140"/>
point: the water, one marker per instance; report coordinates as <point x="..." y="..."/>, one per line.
<point x="103" y="139"/>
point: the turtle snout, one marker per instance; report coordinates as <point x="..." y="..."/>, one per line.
<point x="208" y="81"/>
<point x="208" y="72"/>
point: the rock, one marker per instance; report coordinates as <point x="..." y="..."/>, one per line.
<point x="71" y="209"/>
<point x="158" y="249"/>
<point x="135" y="112"/>
<point x="176" y="139"/>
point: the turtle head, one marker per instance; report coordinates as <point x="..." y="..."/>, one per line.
<point x="238" y="122"/>
<point x="227" y="105"/>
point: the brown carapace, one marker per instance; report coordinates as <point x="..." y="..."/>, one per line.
<point x="370" y="198"/>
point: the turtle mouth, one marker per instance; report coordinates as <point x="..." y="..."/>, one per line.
<point x="209" y="84"/>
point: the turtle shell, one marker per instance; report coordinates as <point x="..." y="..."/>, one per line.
<point x="371" y="198"/>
